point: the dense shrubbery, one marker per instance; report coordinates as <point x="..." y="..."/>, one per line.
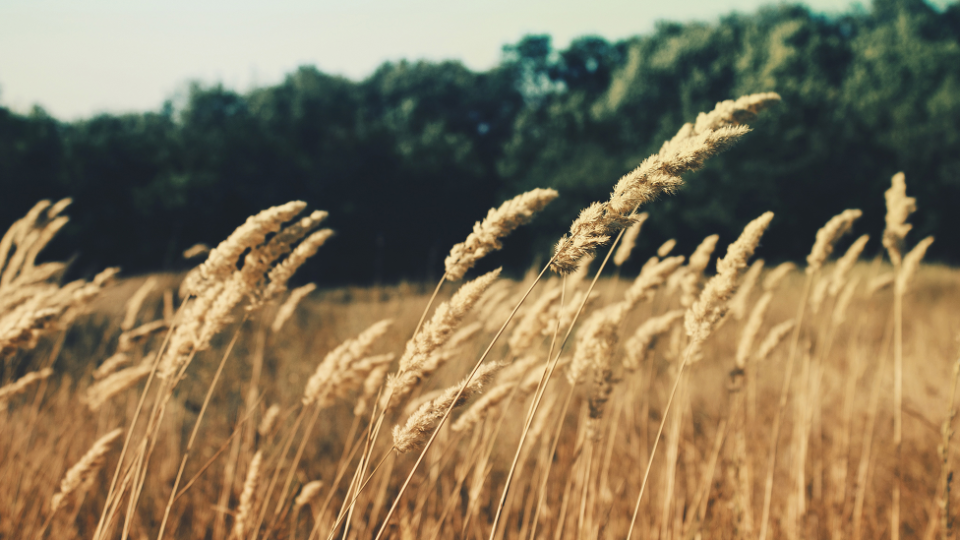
<point x="867" y="93"/>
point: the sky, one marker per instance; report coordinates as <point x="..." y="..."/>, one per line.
<point x="76" y="59"/>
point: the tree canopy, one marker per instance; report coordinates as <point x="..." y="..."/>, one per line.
<point x="407" y="159"/>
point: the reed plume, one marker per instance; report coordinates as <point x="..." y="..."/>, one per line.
<point x="433" y="334"/>
<point x="666" y="247"/>
<point x="247" y="498"/>
<point x="701" y="317"/>
<point x="329" y="380"/>
<point x="774" y="337"/>
<point x="412" y="433"/>
<point x="221" y="263"/>
<point x="899" y="208"/>
<point x="689" y="279"/>
<point x="21" y="385"/>
<point x="136" y="302"/>
<point x="776" y="276"/>
<point x="499" y="223"/>
<point x="269" y="420"/>
<point x="103" y="391"/>
<point x="290" y="305"/>
<point x="911" y="261"/>
<point x="110" y="365"/>
<point x="643" y="338"/>
<point x="738" y="304"/>
<point x="659" y="174"/>
<point x="827" y="237"/>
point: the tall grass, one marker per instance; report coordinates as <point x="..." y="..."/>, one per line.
<point x="220" y="404"/>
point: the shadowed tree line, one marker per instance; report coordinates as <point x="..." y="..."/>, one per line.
<point x="407" y="159"/>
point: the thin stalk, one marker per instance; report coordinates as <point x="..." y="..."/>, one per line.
<point x="541" y="388"/>
<point x="781" y="408"/>
<point x="196" y="425"/>
<point x="656" y="442"/>
<point x="456" y="398"/>
<point x="897" y="403"/>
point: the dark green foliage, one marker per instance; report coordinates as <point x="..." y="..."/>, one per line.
<point x="408" y="159"/>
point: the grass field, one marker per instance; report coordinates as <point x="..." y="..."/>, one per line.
<point x="682" y="402"/>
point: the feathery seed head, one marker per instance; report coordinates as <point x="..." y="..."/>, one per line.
<point x="911" y="261"/>
<point x="899" y="208"/>
<point x="774" y="338"/>
<point x="643" y="338"/>
<point x="828" y="235"/>
<point x="703" y="315"/>
<point x="666" y="248"/>
<point x="738" y="304"/>
<point x="81" y="475"/>
<point x="499" y="223"/>
<point x="845" y="264"/>
<point x="773" y="279"/>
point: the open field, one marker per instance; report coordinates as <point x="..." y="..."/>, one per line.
<point x="707" y="396"/>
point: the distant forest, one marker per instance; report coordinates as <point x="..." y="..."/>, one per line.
<point x="406" y="160"/>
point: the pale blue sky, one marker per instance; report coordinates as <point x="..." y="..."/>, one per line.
<point x="78" y="58"/>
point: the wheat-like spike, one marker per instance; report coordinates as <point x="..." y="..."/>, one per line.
<point x="642" y="340"/>
<point x="416" y="357"/>
<point x="328" y="380"/>
<point x="247" y="498"/>
<point x="21" y="385"/>
<point x="666" y="247"/>
<point x="186" y="337"/>
<point x="595" y="341"/>
<point x="499" y="223"/>
<point x="128" y="339"/>
<point x="110" y="365"/>
<point x="38" y="275"/>
<point x="412" y="433"/>
<point x="738" y="304"/>
<point x="629" y="240"/>
<point x="651" y="277"/>
<point x="81" y="475"/>
<point x="843" y="301"/>
<point x="308" y="494"/>
<point x="282" y="273"/>
<point x="657" y="175"/>
<point x="689" y="280"/>
<point x="775" y="277"/>
<point x="479" y="410"/>
<point x="196" y="250"/>
<point x="911" y="261"/>
<point x="774" y="338"/>
<point x="104" y="390"/>
<point x="17" y="235"/>
<point x="290" y="305"/>
<point x="59" y="207"/>
<point x="899" y="208"/>
<point x="701" y="317"/>
<point x="845" y="264"/>
<point x="750" y="331"/>
<point x="269" y="420"/>
<point x="828" y="235"/>
<point x="222" y="261"/>
<point x="511" y="381"/>
<point x="136" y="302"/>
<point x="587" y="233"/>
<point x="44" y="237"/>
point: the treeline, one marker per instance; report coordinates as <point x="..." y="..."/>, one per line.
<point x="407" y="159"/>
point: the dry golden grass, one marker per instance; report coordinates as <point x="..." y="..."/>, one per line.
<point x="243" y="410"/>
